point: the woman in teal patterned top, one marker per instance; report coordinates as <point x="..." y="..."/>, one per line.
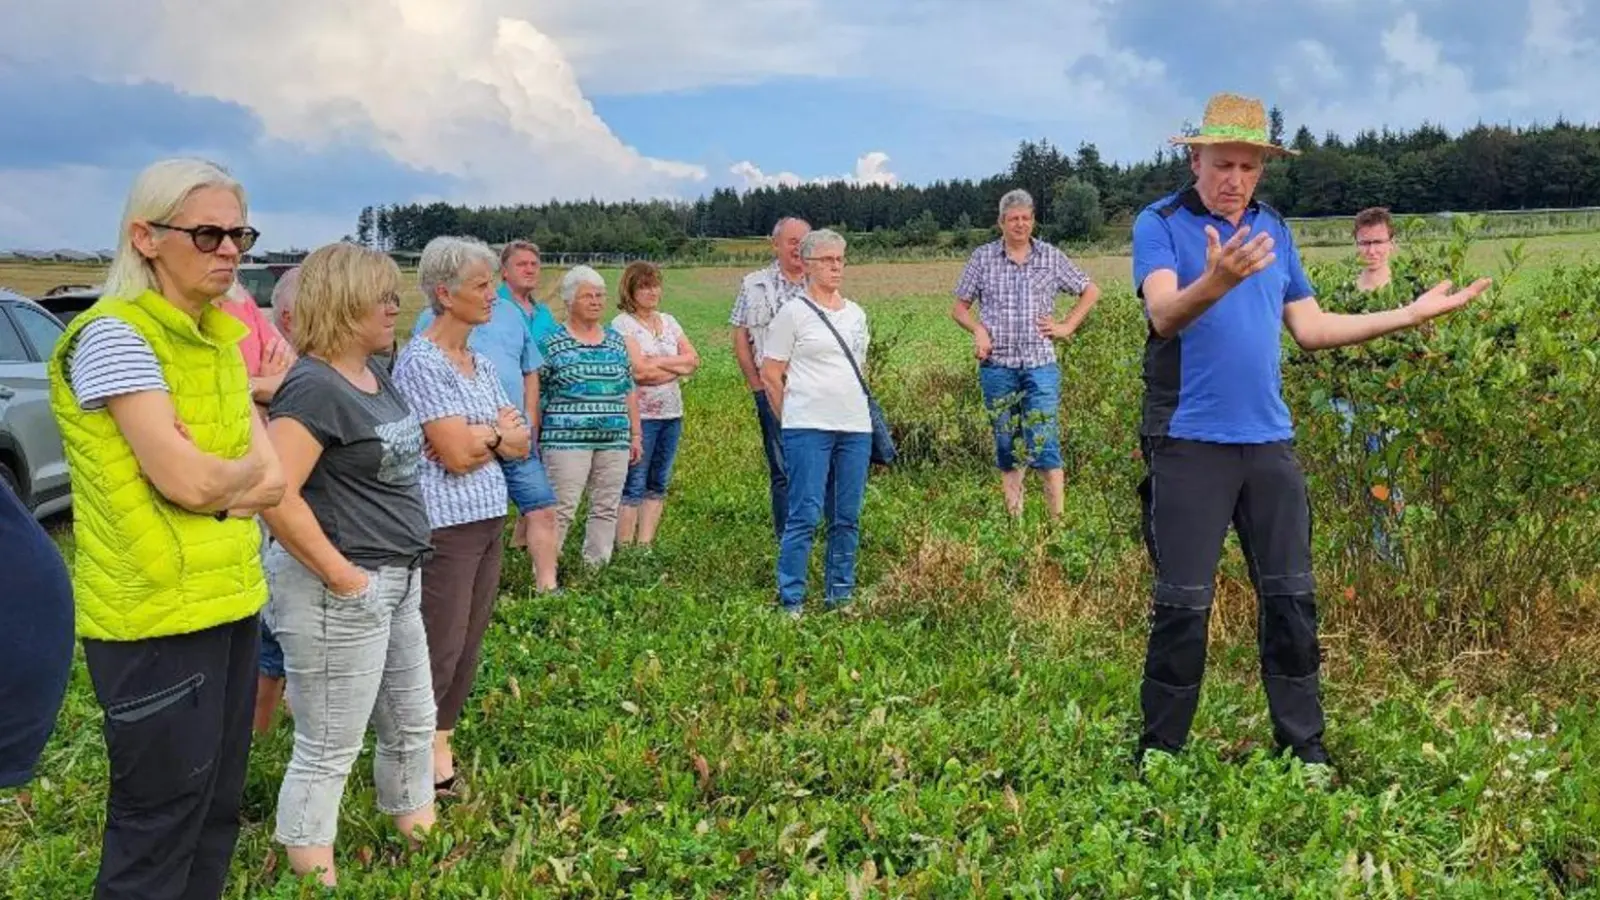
<point x="589" y="429"/>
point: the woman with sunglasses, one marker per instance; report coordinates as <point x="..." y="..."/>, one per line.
<point x="346" y="568"/>
<point x="170" y="463"/>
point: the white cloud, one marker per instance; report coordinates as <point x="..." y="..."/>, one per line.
<point x="440" y="86"/>
<point x="871" y="168"/>
<point x="650" y="46"/>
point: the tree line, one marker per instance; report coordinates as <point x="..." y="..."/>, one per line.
<point x="1077" y="194"/>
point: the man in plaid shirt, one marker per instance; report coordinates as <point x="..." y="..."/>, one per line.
<point x="761" y="294"/>
<point x="1014" y="281"/>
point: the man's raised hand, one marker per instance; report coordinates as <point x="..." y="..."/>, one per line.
<point x="1238" y="259"/>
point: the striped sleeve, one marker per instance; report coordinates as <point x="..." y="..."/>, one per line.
<point x="110" y="359"/>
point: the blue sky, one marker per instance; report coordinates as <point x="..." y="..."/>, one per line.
<point x="323" y="108"/>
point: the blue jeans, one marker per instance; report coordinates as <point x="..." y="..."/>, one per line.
<point x="827" y="478"/>
<point x="1024" y="405"/>
<point x="527" y="484"/>
<point x="648" y="478"/>
<point x="777" y="476"/>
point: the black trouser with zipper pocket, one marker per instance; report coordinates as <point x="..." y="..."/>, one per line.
<point x="1193" y="491"/>
<point x="177" y="729"/>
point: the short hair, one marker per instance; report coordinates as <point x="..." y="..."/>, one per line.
<point x="1015" y="199"/>
<point x="636" y="277"/>
<point x="576" y="277"/>
<point x="821" y="239"/>
<point x="157" y="195"/>
<point x="1374" y="215"/>
<point x="338" y="286"/>
<point x="511" y="249"/>
<point x="778" y="227"/>
<point x="444" y="260"/>
<point x="283" y="296"/>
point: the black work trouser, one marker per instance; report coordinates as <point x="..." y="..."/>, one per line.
<point x="1191" y="493"/>
<point x="177" y="729"/>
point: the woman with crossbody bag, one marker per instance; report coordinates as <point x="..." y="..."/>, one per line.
<point x="811" y="376"/>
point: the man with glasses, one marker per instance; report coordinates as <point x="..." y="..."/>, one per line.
<point x="1014" y="281"/>
<point x="1374" y="231"/>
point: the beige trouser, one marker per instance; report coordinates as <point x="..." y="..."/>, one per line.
<point x="602" y="472"/>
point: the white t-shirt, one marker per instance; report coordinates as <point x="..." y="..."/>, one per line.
<point x="822" y="390"/>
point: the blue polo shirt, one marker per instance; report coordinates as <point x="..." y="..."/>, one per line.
<point x="510" y="339"/>
<point x="1218" y="380"/>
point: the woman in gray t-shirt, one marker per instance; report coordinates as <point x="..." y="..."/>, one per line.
<point x="346" y="570"/>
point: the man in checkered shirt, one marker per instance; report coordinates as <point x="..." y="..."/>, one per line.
<point x="1014" y="281"/>
<point x="761" y="294"/>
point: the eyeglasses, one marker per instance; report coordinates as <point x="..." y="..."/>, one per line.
<point x="1372" y="242"/>
<point x="827" y="260"/>
<point x="207" y="238"/>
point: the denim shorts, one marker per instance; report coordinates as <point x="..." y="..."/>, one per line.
<point x="647" y="479"/>
<point x="1024" y="405"/>
<point x="271" y="664"/>
<point x="528" y="484"/>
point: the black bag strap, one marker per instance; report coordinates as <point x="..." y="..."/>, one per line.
<point x="842" y="345"/>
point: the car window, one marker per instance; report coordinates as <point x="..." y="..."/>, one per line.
<point x="12" y="348"/>
<point x="259" y="283"/>
<point x="41" y="330"/>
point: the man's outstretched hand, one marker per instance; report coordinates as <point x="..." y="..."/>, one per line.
<point x="1440" y="299"/>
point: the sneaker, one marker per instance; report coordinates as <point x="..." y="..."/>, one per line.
<point x="793" y="612"/>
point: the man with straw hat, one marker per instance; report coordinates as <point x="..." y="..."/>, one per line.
<point x="1219" y="275"/>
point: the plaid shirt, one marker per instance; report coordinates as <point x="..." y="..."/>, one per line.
<point x="1011" y="297"/>
<point x="761" y="294"/>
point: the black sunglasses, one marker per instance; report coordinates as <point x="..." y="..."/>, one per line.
<point x="207" y="238"/>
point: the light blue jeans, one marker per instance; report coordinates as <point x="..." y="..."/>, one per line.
<point x="827" y="480"/>
<point x="348" y="660"/>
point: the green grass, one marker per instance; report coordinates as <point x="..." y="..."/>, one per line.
<point x="658" y="731"/>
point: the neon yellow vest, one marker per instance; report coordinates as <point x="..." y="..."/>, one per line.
<point x="142" y="566"/>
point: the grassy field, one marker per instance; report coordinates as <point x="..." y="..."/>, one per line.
<point x="657" y="731"/>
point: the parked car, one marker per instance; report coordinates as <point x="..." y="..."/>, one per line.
<point x="260" y="278"/>
<point x="67" y="300"/>
<point x="32" y="461"/>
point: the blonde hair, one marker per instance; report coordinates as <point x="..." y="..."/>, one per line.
<point x="636" y="277"/>
<point x="156" y="196"/>
<point x="339" y="285"/>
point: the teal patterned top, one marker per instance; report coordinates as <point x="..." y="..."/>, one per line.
<point x="586" y="386"/>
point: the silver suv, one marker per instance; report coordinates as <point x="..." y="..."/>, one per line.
<point x="31" y="459"/>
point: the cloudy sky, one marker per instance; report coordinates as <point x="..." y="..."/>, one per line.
<point x="323" y="106"/>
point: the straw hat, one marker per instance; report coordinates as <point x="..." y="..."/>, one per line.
<point x="1232" y="119"/>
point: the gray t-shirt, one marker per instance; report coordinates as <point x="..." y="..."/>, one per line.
<point x="364" y="488"/>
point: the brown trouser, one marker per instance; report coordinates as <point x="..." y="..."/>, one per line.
<point x="459" y="585"/>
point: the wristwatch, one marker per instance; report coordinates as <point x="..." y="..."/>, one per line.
<point x="498" y="437"/>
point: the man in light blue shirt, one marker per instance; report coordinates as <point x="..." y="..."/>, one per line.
<point x="510" y="339"/>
